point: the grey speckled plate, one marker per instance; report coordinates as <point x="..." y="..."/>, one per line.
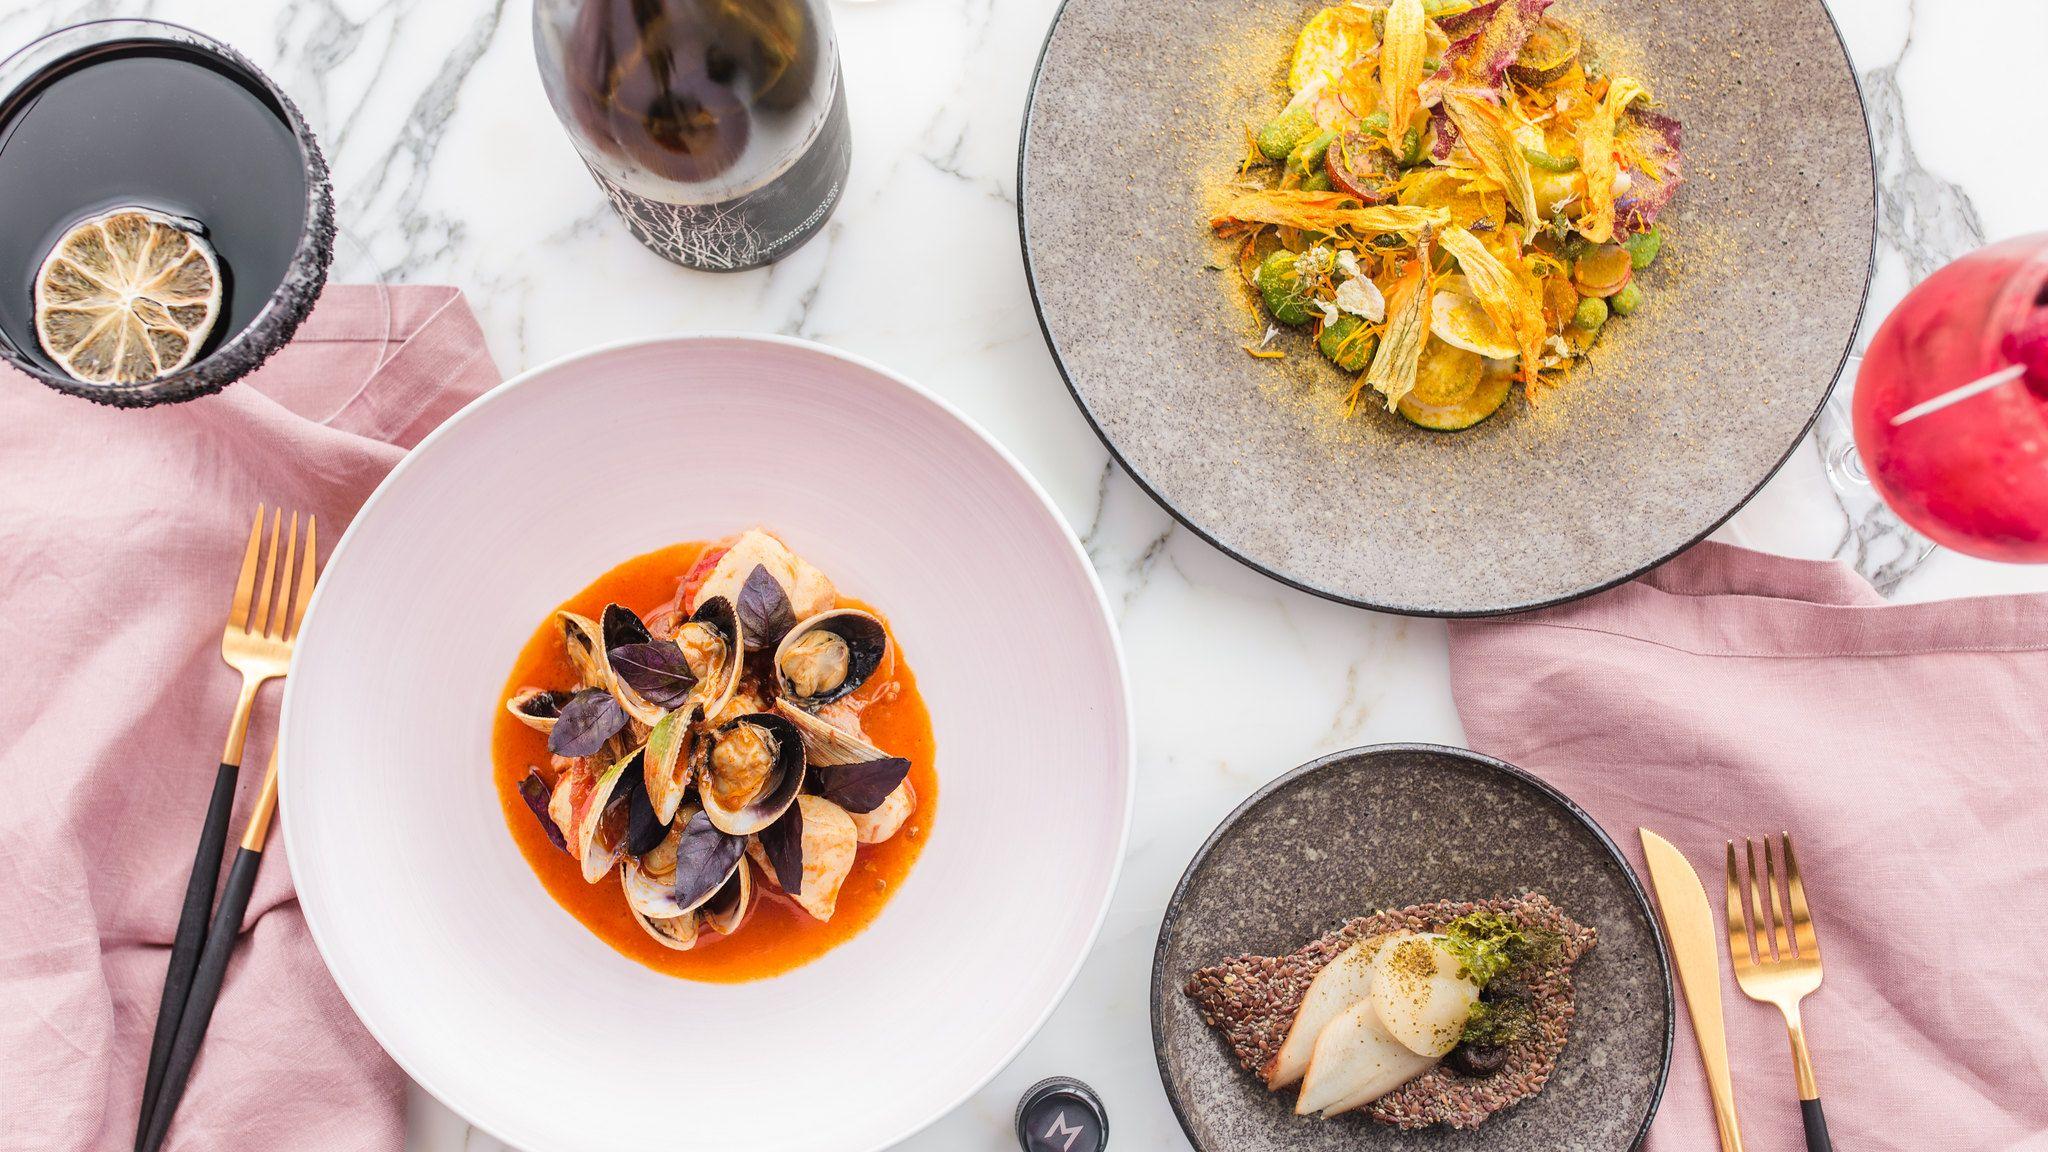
<point x="1389" y="826"/>
<point x="1137" y="116"/>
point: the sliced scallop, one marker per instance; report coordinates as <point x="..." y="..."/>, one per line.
<point x="1343" y="982"/>
<point x="1356" y="1061"/>
<point x="1420" y="994"/>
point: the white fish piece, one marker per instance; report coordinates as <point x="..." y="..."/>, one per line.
<point x="809" y="590"/>
<point x="888" y="816"/>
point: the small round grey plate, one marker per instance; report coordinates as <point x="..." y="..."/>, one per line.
<point x="1386" y="827"/>
<point x="1137" y="119"/>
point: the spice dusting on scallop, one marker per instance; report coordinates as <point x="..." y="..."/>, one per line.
<point x="1441" y="1013"/>
<point x="716" y="761"/>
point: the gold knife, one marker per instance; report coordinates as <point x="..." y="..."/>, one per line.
<point x="1696" y="953"/>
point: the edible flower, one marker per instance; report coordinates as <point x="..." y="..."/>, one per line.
<point x="1394" y="364"/>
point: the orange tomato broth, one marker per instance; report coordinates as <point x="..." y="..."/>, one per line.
<point x="777" y="935"/>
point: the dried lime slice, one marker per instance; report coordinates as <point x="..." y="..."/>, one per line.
<point x="127" y="296"/>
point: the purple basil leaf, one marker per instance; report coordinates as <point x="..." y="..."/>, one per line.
<point x="644" y="829"/>
<point x="656" y="670"/>
<point x="764" y="611"/>
<point x="860" y="787"/>
<point x="622" y="627"/>
<point x="783" y="841"/>
<point x="534" y="791"/>
<point x="704" y="858"/>
<point x="590" y="718"/>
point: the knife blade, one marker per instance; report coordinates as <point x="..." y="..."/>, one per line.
<point x="1696" y="953"/>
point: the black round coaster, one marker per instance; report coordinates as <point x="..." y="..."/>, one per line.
<point x="1061" y="1114"/>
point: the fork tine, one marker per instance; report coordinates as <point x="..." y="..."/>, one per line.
<point x="1738" y="924"/>
<point x="1781" y="928"/>
<point x="245" y="584"/>
<point x="259" y="617"/>
<point x="1761" y="933"/>
<point x="284" y="581"/>
<point x="1802" y="920"/>
<point x="309" y="571"/>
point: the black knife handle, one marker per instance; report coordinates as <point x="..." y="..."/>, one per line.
<point x="213" y="964"/>
<point x="191" y="937"/>
<point x="1816" y="1126"/>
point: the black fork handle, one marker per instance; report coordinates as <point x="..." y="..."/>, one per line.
<point x="190" y="940"/>
<point x="213" y="966"/>
<point x="1816" y="1126"/>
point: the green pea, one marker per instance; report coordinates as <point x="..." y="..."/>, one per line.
<point x="1592" y="314"/>
<point x="1316" y="181"/>
<point x="1284" y="131"/>
<point x="1308" y="155"/>
<point x="1549" y="163"/>
<point x="1643" y="248"/>
<point x="1411" y="148"/>
<point x="1345" y="347"/>
<point x="1627" y="300"/>
<point x="1374" y="125"/>
<point x="1280" y="286"/>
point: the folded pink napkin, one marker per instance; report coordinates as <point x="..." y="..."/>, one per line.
<point x="120" y="536"/>
<point x="1732" y="693"/>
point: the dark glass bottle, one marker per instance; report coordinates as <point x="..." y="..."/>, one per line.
<point x="717" y="128"/>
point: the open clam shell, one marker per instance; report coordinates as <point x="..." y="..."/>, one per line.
<point x="538" y="708"/>
<point x="751" y="772"/>
<point x="677" y="930"/>
<point x="589" y="645"/>
<point x="714" y="646"/>
<point x="590" y="809"/>
<point x="583" y="643"/>
<point x="829" y="746"/>
<point x="728" y="907"/>
<point x="668" y="763"/>
<point x="829" y="656"/>
<point x="826" y="742"/>
<point x="685" y="870"/>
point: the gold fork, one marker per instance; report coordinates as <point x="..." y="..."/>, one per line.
<point x="1777" y="960"/>
<point x="257" y="643"/>
<point x="234" y="898"/>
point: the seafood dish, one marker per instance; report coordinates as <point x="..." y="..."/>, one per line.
<point x="1456" y="198"/>
<point x="730" y="770"/>
<point x="1440" y="1013"/>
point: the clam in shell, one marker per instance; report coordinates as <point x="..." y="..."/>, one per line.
<point x="829" y="656"/>
<point x="750" y="772"/>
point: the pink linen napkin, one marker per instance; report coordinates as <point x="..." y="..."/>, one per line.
<point x="120" y="536"/>
<point x="1732" y="693"/>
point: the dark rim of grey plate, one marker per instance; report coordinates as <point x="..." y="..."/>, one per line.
<point x="1533" y="783"/>
<point x="1059" y="362"/>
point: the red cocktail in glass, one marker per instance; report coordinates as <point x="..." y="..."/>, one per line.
<point x="1952" y="404"/>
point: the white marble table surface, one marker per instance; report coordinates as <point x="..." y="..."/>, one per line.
<point x="450" y="166"/>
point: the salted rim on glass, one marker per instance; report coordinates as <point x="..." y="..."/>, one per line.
<point x="288" y="306"/>
<point x="525" y="379"/>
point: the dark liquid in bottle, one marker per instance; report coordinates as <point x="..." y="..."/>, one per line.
<point x="727" y="116"/>
<point x="154" y="126"/>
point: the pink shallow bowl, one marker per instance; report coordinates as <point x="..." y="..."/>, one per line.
<point x="486" y="991"/>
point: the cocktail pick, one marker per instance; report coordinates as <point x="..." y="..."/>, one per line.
<point x="2026" y="346"/>
<point x="1960" y="393"/>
